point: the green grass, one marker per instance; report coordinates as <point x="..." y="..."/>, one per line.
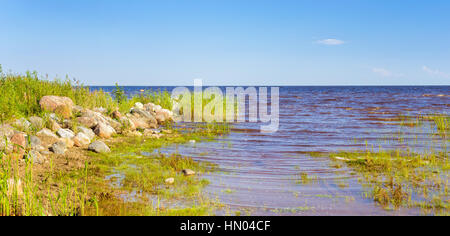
<point x="22" y="94"/>
<point x="20" y="195"/>
<point x="25" y="90"/>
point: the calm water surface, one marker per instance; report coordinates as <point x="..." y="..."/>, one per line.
<point x="260" y="172"/>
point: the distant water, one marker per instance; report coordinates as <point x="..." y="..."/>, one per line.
<point x="260" y="170"/>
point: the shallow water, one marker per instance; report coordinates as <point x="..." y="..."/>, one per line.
<point x="260" y="173"/>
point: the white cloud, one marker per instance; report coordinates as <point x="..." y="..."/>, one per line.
<point x="332" y="42"/>
<point x="385" y="73"/>
<point x="436" y="73"/>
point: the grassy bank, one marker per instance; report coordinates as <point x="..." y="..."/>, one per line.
<point x="127" y="181"/>
<point x="124" y="182"/>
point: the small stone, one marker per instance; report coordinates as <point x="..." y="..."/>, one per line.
<point x="117" y="115"/>
<point x="170" y="181"/>
<point x="20" y="144"/>
<point x="188" y="172"/>
<point x="99" y="147"/>
<point x="22" y="124"/>
<point x="139" y="105"/>
<point x="6" y="131"/>
<point x="150" y="132"/>
<point x="104" y="131"/>
<point x="127" y="123"/>
<point x="68" y="124"/>
<point x="45" y="152"/>
<point x="69" y="142"/>
<point x="86" y="131"/>
<point x="81" y="140"/>
<point x="65" y="133"/>
<point x="117" y="126"/>
<point x="37" y="122"/>
<point x="89" y="122"/>
<point x="156" y="136"/>
<point x="100" y="110"/>
<point x="36" y="157"/>
<point x="47" y="136"/>
<point x="133" y="133"/>
<point x="35" y="142"/>
<point x="39" y="149"/>
<point x="59" y="148"/>
<point x="54" y="125"/>
<point x="54" y="117"/>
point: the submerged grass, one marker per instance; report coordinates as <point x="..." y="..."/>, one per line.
<point x="400" y="177"/>
<point x="143" y="172"/>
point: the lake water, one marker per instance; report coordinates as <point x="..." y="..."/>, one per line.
<point x="260" y="172"/>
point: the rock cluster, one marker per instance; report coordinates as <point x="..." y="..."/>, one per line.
<point x="70" y="126"/>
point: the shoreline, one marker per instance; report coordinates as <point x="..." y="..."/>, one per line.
<point x="62" y="172"/>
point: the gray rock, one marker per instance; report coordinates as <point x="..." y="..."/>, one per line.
<point x="99" y="147"/>
<point x="86" y="131"/>
<point x="40" y="149"/>
<point x="141" y="113"/>
<point x="150" y="107"/>
<point x="45" y="152"/>
<point x="37" y="122"/>
<point x="59" y="148"/>
<point x="127" y="124"/>
<point x="91" y="119"/>
<point x="22" y="124"/>
<point x="170" y="181"/>
<point x="65" y="133"/>
<point x="46" y="133"/>
<point x="81" y="140"/>
<point x="35" y="142"/>
<point x="163" y="115"/>
<point x="150" y="132"/>
<point x="143" y="119"/>
<point x="117" y="126"/>
<point x="100" y="110"/>
<point x="139" y="105"/>
<point x="132" y="133"/>
<point x="54" y="126"/>
<point x="188" y="172"/>
<point x="54" y="117"/>
<point x="67" y="124"/>
<point x="36" y="157"/>
<point x="69" y="142"/>
<point x="4" y="146"/>
<point x="6" y="131"/>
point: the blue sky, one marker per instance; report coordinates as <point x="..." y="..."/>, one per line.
<point x="229" y="42"/>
